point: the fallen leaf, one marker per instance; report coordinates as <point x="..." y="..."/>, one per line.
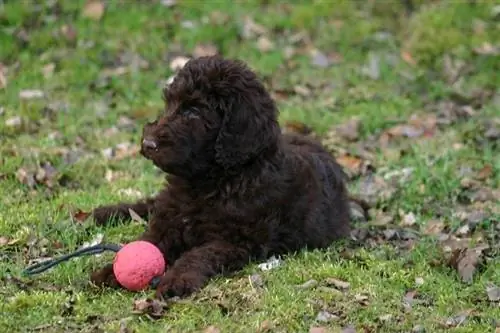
<point x="168" y="3"/>
<point x="318" y="330"/>
<point x="3" y="76"/>
<point x="408" y="58"/>
<point x="408" y="219"/>
<point x="31" y="94"/>
<point x="348" y="329"/>
<point x="256" y="280"/>
<point x="296" y="127"/>
<point x="130" y="192"/>
<point x="251" y="29"/>
<point x="319" y="59"/>
<point x="361" y="299"/>
<point x="457" y="320"/>
<point x="14" y="122"/>
<point x="136" y="217"/>
<point x="93" y="9"/>
<point x="339" y="284"/>
<point x="352" y="165"/>
<point x="264" y="44"/>
<point x="372" y="69"/>
<point x="419" y="281"/>
<point x="178" y="62"/>
<point x="302" y="90"/>
<point x="385" y="318"/>
<point x="308" y="284"/>
<point x="418" y="329"/>
<point x="152" y="307"/>
<point x="466" y="260"/>
<point x="485" y="172"/>
<point x="69" y="32"/>
<point x="493" y="293"/>
<point x="26" y="177"/>
<point x="357" y="212"/>
<point x="4" y="241"/>
<point x="265" y="326"/>
<point x="374" y="189"/>
<point x="211" y="329"/>
<point x="349" y="130"/>
<point x="205" y="49"/>
<point x="380" y="218"/>
<point x="48" y="70"/>
<point x="81" y="216"/>
<point x="325" y="317"/>
<point x="433" y="227"/>
<point x="124" y="328"/>
<point x="487" y="49"/>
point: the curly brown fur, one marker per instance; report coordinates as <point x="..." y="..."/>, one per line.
<point x="238" y="189"/>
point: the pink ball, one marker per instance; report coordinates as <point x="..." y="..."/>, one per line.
<point x="137" y="263"/>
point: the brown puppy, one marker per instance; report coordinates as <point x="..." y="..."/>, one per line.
<point x="238" y="190"/>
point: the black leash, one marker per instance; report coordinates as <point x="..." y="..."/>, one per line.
<point x="91" y="250"/>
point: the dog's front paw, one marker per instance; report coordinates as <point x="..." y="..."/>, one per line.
<point x="182" y="285"/>
<point x="104" y="277"/>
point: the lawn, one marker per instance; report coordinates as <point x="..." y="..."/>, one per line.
<point x="406" y="94"/>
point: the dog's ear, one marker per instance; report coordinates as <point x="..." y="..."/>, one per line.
<point x="249" y="127"/>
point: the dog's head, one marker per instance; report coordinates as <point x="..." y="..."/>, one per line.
<point x="217" y="115"/>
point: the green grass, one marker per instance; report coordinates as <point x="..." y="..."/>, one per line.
<point x="82" y="105"/>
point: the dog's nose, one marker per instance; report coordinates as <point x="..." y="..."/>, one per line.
<point x="149" y="144"/>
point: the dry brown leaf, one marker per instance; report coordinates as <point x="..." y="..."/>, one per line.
<point x="178" y="62"/>
<point x="485" y="172"/>
<point x="265" y="326"/>
<point x="466" y="260"/>
<point x="325" y="316"/>
<point x="487" y="49"/>
<point x="433" y="227"/>
<point x="408" y="219"/>
<point x="251" y="29"/>
<point x="380" y="218"/>
<point x="4" y="240"/>
<point x="69" y="32"/>
<point x="152" y="307"/>
<point x="81" y="216"/>
<point x="408" y="58"/>
<point x="205" y="49"/>
<point x="308" y="284"/>
<point x="296" y="127"/>
<point x="457" y="320"/>
<point x="349" y="130"/>
<point x="318" y="329"/>
<point x="135" y="217"/>
<point x="493" y="293"/>
<point x="26" y="177"/>
<point x="373" y="189"/>
<point x="48" y="70"/>
<point x="302" y="90"/>
<point x="361" y="299"/>
<point x="211" y="329"/>
<point x="93" y="9"/>
<point x="353" y="164"/>
<point x="14" y="122"/>
<point x="31" y="94"/>
<point x="264" y="44"/>
<point x="3" y="76"/>
<point x="319" y="59"/>
<point x="339" y="284"/>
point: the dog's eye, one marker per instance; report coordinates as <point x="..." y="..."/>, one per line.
<point x="191" y="112"/>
